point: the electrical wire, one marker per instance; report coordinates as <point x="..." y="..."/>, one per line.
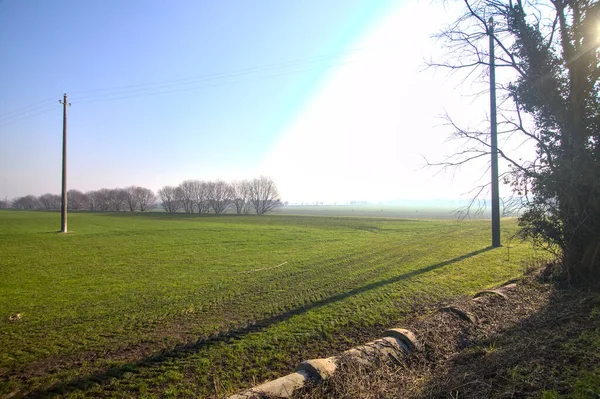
<point x="181" y="84"/>
<point x="219" y="75"/>
<point x="118" y="90"/>
<point x="125" y="96"/>
<point x="26" y="117"/>
<point x="26" y="109"/>
<point x="190" y="83"/>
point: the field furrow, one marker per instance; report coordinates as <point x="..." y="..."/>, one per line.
<point x="145" y="304"/>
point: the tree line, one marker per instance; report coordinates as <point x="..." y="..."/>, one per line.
<point x="258" y="196"/>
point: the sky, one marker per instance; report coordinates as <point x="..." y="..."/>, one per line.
<point x="329" y="98"/>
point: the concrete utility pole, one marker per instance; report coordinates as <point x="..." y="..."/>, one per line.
<point x="494" y="143"/>
<point x="63" y="208"/>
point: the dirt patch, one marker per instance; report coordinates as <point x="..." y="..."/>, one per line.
<point x="537" y="341"/>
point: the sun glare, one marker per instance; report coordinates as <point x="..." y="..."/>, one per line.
<point x="362" y="134"/>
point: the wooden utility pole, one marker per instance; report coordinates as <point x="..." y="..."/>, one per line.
<point x="63" y="208"/>
<point x="494" y="142"/>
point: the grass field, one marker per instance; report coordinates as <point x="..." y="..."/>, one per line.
<point x="149" y="305"/>
<point x="447" y="211"/>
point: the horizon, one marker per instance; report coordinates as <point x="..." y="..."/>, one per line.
<point x="340" y="111"/>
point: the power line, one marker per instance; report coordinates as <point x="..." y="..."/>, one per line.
<point x="221" y="75"/>
<point x="191" y="83"/>
<point x="26" y="109"/>
<point x="125" y="96"/>
<point x="180" y="84"/>
<point x="26" y="117"/>
<point x="148" y="92"/>
<point x="118" y="90"/>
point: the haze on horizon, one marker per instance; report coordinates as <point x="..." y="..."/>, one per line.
<point x="331" y="99"/>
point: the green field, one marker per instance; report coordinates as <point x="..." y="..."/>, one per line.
<point x="176" y="305"/>
<point x="447" y="211"/>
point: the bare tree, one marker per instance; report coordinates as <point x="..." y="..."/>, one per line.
<point x="93" y="200"/>
<point x="102" y="199"/>
<point x="201" y="196"/>
<point x="117" y="199"/>
<point x="5" y="203"/>
<point x="549" y="95"/>
<point x="49" y="201"/>
<point x="220" y="195"/>
<point x="264" y="195"/>
<point x="139" y="198"/>
<point x="76" y="200"/>
<point x="145" y="198"/>
<point x="195" y="196"/>
<point x="28" y="202"/>
<point x="170" y="198"/>
<point x="188" y="190"/>
<point x="130" y="199"/>
<point x="241" y="196"/>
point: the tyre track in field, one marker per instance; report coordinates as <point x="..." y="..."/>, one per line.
<point x="382" y="260"/>
<point x="314" y="293"/>
<point x="223" y="305"/>
<point x="180" y="352"/>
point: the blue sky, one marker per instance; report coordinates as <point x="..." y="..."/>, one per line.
<point x="328" y="97"/>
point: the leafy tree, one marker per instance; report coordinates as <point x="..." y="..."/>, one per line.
<point x="550" y="96"/>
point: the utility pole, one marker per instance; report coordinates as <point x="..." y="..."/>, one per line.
<point x="494" y="142"/>
<point x="63" y="208"/>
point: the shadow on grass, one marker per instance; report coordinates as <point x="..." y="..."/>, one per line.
<point x="181" y="351"/>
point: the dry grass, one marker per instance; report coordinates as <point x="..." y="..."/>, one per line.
<point x="539" y="342"/>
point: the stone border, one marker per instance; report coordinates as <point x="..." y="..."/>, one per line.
<point x="463" y="314"/>
<point x="282" y="387"/>
<point x="500" y="292"/>
<point x="395" y="341"/>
